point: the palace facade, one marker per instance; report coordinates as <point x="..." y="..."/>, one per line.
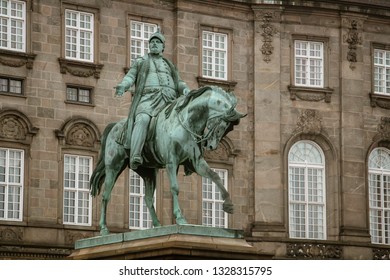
<point x="308" y="168"/>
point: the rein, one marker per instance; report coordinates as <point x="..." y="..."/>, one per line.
<point x="199" y="138"/>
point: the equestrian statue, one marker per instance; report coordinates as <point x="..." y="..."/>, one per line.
<point x="168" y="125"/>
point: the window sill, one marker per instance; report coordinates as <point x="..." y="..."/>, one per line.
<point x="13" y="94"/>
<point x="16" y="59"/>
<point x="79" y="68"/>
<point x="382" y="101"/>
<point x="226" y="85"/>
<point x="310" y="94"/>
<point x="80" y="103"/>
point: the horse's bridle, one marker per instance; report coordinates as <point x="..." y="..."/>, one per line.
<point x="202" y="138"/>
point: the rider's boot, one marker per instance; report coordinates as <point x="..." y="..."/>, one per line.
<point x="138" y="139"/>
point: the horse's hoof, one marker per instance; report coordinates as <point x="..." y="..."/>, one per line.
<point x="228" y="208"/>
<point x="104" y="231"/>
<point x="181" y="221"/>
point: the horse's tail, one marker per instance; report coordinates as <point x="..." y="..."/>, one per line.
<point x="98" y="175"/>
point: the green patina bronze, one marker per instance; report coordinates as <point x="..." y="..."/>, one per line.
<point x="167" y="126"/>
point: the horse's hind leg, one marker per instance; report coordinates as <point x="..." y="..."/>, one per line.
<point x="149" y="176"/>
<point x="109" y="181"/>
<point x="203" y="169"/>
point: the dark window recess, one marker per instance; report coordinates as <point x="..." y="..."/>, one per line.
<point x="10" y="85"/>
<point x="77" y="94"/>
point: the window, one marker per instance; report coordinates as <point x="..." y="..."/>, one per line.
<point x="79" y="35"/>
<point x="10" y="85"/>
<point x="77" y="200"/>
<point x="309" y="63"/>
<point x="381" y="72"/>
<point x="212" y="202"/>
<point x="379" y="195"/>
<point x="306" y="188"/>
<point x="214" y="55"/>
<point x="11" y="184"/>
<point x="77" y="94"/>
<point x="140" y="33"/>
<point x="139" y="217"/>
<point x="13" y="25"/>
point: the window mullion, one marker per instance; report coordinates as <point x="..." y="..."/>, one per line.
<point x="6" y="199"/>
<point x="306" y="174"/>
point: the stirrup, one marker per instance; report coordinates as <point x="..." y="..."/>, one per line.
<point x="135" y="162"/>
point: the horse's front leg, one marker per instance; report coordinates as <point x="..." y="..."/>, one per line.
<point x="203" y="169"/>
<point x="172" y="173"/>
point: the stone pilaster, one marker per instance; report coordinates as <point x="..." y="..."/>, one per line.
<point x="269" y="205"/>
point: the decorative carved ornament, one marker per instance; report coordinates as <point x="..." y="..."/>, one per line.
<point x="15" y="126"/>
<point x="314" y="251"/>
<point x="353" y="38"/>
<point x="80" y="135"/>
<point x="224" y="151"/>
<point x="71" y="237"/>
<point x="380" y="100"/>
<point x="268" y="32"/>
<point x="33" y="253"/>
<point x="383" y="130"/>
<point x="80" y="69"/>
<point x="17" y="59"/>
<point x="11" y="234"/>
<point x="310" y="94"/>
<point x="78" y="132"/>
<point x="381" y="254"/>
<point x="309" y="122"/>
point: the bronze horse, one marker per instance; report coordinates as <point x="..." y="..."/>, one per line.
<point x="178" y="136"/>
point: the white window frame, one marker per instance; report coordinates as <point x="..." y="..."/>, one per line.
<point x="299" y="226"/>
<point x="379" y="195"/>
<point x="139" y="216"/>
<point x="212" y="202"/>
<point x="308" y="63"/>
<point x="8" y="200"/>
<point x="74" y="50"/>
<point x="80" y="192"/>
<point x="213" y="52"/>
<point x="14" y="41"/>
<point x="140" y="33"/>
<point x="382" y="72"/>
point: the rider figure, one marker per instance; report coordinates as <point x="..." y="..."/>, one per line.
<point x="157" y="83"/>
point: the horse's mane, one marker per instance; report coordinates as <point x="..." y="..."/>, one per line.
<point x="187" y="99"/>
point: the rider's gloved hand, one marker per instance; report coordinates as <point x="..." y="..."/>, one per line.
<point x="119" y="90"/>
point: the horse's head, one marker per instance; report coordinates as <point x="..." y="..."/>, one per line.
<point x="222" y="116"/>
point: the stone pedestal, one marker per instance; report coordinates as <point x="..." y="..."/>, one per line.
<point x="169" y="242"/>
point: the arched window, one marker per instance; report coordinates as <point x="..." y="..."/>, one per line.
<point x="379" y="195"/>
<point x="306" y="191"/>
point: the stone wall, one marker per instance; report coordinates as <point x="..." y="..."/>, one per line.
<point x="343" y="119"/>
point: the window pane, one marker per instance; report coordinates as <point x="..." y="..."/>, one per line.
<point x="381" y="72"/>
<point x="379" y="195"/>
<point x="309" y="66"/>
<point x="212" y="202"/>
<point x="140" y="33"/>
<point x="12" y="25"/>
<point x="11" y="184"/>
<point x="214" y="55"/>
<point x="79" y="35"/>
<point x="139" y="216"/>
<point x="77" y="201"/>
<point x="306" y="190"/>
